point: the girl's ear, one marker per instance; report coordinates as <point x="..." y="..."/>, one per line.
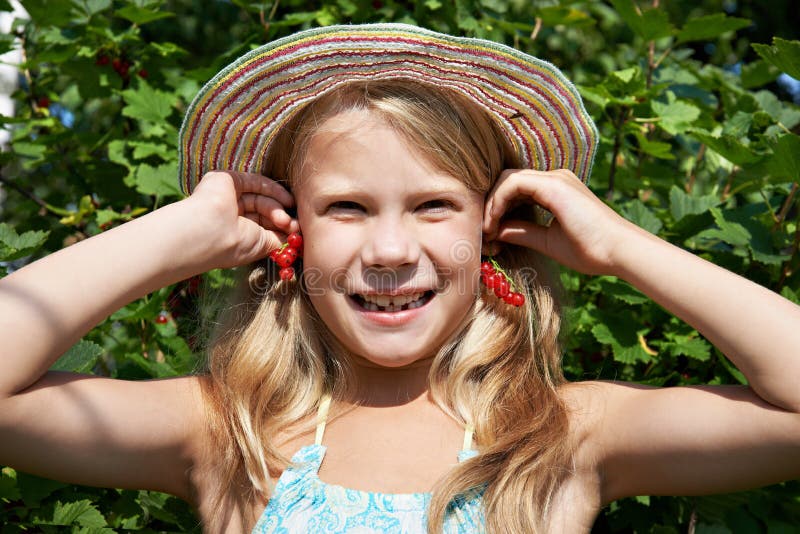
<point x="490" y="248"/>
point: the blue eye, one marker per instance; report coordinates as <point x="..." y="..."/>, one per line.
<point x="345" y="205"/>
<point x="436" y="206"/>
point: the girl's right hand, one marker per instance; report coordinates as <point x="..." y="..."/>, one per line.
<point x="243" y="216"/>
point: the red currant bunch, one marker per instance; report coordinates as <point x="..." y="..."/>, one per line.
<point x="286" y="255"/>
<point x="494" y="277"/>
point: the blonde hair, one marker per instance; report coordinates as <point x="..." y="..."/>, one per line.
<point x="271" y="358"/>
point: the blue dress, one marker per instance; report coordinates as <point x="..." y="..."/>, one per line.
<point x="302" y="503"/>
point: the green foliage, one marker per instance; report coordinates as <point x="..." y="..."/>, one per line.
<point x="698" y="153"/>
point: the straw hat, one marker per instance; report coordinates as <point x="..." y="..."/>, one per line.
<point x="235" y="116"/>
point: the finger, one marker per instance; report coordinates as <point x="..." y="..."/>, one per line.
<point x="246" y="182"/>
<point x="509" y="187"/>
<point x="268" y="207"/>
<point x="267" y="240"/>
<point x="525" y="234"/>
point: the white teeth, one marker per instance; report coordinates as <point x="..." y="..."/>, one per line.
<point x="386" y="301"/>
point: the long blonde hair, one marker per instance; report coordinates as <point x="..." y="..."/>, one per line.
<point x="271" y="358"/>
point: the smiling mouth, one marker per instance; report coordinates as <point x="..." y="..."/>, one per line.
<point x="382" y="303"/>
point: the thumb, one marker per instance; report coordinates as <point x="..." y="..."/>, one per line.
<point x="525" y="234"/>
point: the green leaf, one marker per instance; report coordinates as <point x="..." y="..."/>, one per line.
<point x="639" y="214"/>
<point x="758" y="73"/>
<point x="682" y="204"/>
<point x="649" y="25"/>
<point x="142" y="15"/>
<point x="144" y="149"/>
<point x="621" y="290"/>
<point x="82" y="513"/>
<point x="709" y="27"/>
<point x="783" y="54"/>
<point x="14" y="246"/>
<point x="8" y="485"/>
<point x="676" y="115"/>
<point x="729" y="147"/>
<point x="785" y="159"/>
<point x="788" y="293"/>
<point x="624" y="342"/>
<point x="654" y="148"/>
<point x="730" y="231"/>
<point x="159" y="180"/>
<point x="80" y="358"/>
<point x="689" y="345"/>
<point x="155" y="368"/>
<point x="568" y="16"/>
<point x="146" y="103"/>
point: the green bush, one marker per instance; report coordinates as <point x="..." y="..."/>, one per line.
<point x="699" y="145"/>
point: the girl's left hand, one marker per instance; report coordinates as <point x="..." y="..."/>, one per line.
<point x="584" y="234"/>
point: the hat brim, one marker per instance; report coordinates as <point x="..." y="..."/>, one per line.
<point x="235" y="116"/>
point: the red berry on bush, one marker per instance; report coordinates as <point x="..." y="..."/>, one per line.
<point x="162" y="318"/>
<point x="295" y="241"/>
<point x="142" y="73"/>
<point x="291" y="251"/>
<point x="502" y="289"/>
<point x="43" y="102"/>
<point x="286" y="273"/>
<point x="101" y="60"/>
<point x="284" y="259"/>
<point x="116" y="63"/>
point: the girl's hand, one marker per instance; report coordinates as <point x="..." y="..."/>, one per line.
<point x="584" y="234"/>
<point x="243" y="216"/>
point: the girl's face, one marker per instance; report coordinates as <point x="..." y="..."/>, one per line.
<point x="392" y="247"/>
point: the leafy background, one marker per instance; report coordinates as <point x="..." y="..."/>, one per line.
<point x="699" y="145"/>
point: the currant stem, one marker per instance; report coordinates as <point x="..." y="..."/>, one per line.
<point x="501" y="270"/>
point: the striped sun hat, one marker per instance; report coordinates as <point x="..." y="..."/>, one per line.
<point x="235" y="116"/>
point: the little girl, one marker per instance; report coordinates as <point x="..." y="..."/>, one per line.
<point x="409" y="391"/>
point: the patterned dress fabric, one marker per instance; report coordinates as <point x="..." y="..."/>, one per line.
<point x="302" y="503"/>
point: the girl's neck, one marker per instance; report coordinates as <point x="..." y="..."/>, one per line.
<point x="380" y="386"/>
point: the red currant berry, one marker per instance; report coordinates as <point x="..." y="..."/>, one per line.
<point x="486" y="268"/>
<point x="43" y="102"/>
<point x="143" y="73"/>
<point x="116" y="63"/>
<point x="502" y="288"/>
<point x="162" y="318"/>
<point x="509" y="298"/>
<point x="291" y="251"/>
<point x="273" y="254"/>
<point x="101" y="60"/>
<point x="295" y="241"/>
<point x="284" y="259"/>
<point x="519" y="299"/>
<point x="498" y="278"/>
<point x="287" y="273"/>
<point x="489" y="281"/>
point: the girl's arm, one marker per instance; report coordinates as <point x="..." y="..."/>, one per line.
<point x="105" y="432"/>
<point x="681" y="440"/>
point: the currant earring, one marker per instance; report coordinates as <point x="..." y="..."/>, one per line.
<point x="494" y="277"/>
<point x="286" y="255"/>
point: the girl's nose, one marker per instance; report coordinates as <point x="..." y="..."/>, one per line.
<point x="391" y="243"/>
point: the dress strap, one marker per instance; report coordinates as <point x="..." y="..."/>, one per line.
<point x="322" y="417"/>
<point x="469" y="428"/>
